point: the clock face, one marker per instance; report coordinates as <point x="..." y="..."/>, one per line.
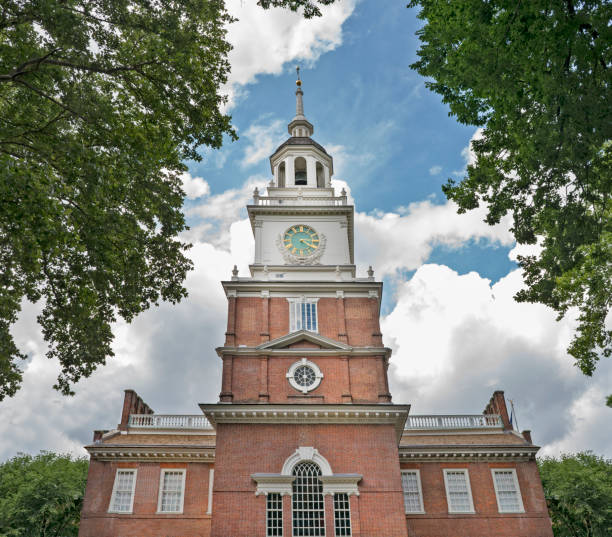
<point x="301" y="240"/>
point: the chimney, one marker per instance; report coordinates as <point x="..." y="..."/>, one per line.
<point x="497" y="405"/>
<point x="132" y="404"/>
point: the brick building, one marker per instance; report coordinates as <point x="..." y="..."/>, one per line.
<point x="305" y="440"/>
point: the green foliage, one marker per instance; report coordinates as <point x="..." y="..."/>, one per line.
<point x="100" y="103"/>
<point x="536" y="77"/>
<point x="310" y="6"/>
<point x="41" y="495"/>
<point x="578" y="490"/>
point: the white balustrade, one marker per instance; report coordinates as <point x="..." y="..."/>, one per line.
<point x="469" y="421"/>
<point x="168" y="421"/>
<point x="299" y="200"/>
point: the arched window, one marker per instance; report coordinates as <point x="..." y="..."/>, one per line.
<point x="300" y="171"/>
<point x="320" y="176"/>
<point x="308" y="503"/>
<point x="281" y="175"/>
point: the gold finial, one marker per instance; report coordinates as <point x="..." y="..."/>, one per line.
<point x="298" y="81"/>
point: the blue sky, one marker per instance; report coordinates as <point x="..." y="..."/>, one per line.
<point x="364" y="96"/>
<point x="448" y="312"/>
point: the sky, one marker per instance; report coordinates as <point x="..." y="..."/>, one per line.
<point x="448" y="313"/>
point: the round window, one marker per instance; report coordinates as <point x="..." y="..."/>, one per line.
<point x="304" y="375"/>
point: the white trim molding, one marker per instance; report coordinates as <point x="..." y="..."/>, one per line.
<point x="302" y="454"/>
<point x="355" y="414"/>
<point x="341" y="484"/>
<point x="517" y="490"/>
<point x="163" y="472"/>
<point x="307" y="363"/>
<point x="211" y="480"/>
<point x="273" y="484"/>
<point x="465" y="472"/>
<point x="134" y="473"/>
<point x="468" y="453"/>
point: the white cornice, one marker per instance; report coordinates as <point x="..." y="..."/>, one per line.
<point x="147" y="453"/>
<point x="382" y="414"/>
<point x="468" y="453"/>
<point x="351" y="351"/>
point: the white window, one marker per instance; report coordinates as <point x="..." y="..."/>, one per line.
<point x="342" y="515"/>
<point x="308" y="506"/>
<point x="171" y="491"/>
<point x="122" y="499"/>
<point x="413" y="495"/>
<point x="303" y="314"/>
<point x="458" y="493"/>
<point x="507" y="491"/>
<point x="274" y="515"/>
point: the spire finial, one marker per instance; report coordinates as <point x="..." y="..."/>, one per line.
<point x="299" y="104"/>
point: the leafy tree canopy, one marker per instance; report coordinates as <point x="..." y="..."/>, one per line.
<point x="536" y="77"/>
<point x="311" y="9"/>
<point x="41" y="495"/>
<point x="578" y="490"/>
<point x="100" y="103"/>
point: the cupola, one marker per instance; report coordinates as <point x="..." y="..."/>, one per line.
<point x="300" y="162"/>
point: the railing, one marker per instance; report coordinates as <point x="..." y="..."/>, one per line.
<point x="168" y="421"/>
<point x="475" y="421"/>
<point x="299" y="199"/>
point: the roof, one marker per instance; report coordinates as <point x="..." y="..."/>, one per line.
<point x="300" y="140"/>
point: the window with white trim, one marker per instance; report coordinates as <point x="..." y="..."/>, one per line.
<point x="307" y="501"/>
<point x="274" y="515"/>
<point x="171" y="491"/>
<point x="122" y="498"/>
<point x="342" y="514"/>
<point x="458" y="493"/>
<point x="507" y="491"/>
<point x="303" y="314"/>
<point x="413" y="494"/>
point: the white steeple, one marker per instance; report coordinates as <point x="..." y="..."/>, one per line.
<point x="300" y="126"/>
<point x="300" y="161"/>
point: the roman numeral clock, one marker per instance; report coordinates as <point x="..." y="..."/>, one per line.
<point x="301" y="244"/>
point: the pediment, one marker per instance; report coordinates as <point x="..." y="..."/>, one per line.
<point x="309" y="339"/>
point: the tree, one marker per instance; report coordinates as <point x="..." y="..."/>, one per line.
<point x="41" y="495"/>
<point x="100" y="103"/>
<point x="578" y="490"/>
<point x="310" y="7"/>
<point x="535" y="76"/>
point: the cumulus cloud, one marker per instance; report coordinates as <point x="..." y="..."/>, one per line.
<point x="264" y="41"/>
<point x="435" y="170"/>
<point x="456" y="338"/>
<point x="263" y="139"/>
<point x="194" y="187"/>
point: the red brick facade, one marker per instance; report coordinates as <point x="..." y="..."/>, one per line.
<point x="304" y="388"/>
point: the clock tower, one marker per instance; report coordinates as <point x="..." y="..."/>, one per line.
<point x="305" y="427"/>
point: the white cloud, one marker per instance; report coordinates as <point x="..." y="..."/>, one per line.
<point x="456" y="338"/>
<point x="194" y="187"/>
<point x="265" y="40"/>
<point x="404" y="239"/>
<point x="435" y="170"/>
<point x="263" y="139"/>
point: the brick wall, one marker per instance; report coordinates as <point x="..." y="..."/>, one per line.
<point x="370" y="450"/>
<point x="144" y="522"/>
<point x="487" y="521"/>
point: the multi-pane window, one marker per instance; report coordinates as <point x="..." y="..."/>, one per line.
<point x="307" y="501"/>
<point x="507" y="491"/>
<point x="122" y="499"/>
<point x="342" y="515"/>
<point x="171" y="491"/>
<point x="303" y="315"/>
<point x="413" y="496"/>
<point x="458" y="494"/>
<point x="274" y="515"/>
